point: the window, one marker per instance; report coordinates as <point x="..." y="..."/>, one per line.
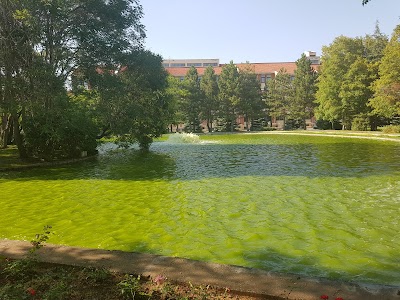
<point x="182" y="78"/>
<point x="178" y="65"/>
<point x="268" y="77"/>
<point x="194" y="64"/>
<point x="210" y="64"/>
<point x="262" y="78"/>
<point x="166" y="65"/>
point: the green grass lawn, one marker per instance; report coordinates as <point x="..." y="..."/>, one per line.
<point x="9" y="158"/>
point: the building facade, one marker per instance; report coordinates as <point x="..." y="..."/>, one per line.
<point x="264" y="72"/>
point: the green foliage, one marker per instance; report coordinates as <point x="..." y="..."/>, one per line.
<point x="360" y="123"/>
<point x="391" y="129"/>
<point x="176" y="94"/>
<point x="129" y="286"/>
<point x="355" y="91"/>
<point x="41" y="238"/>
<point x="61" y="132"/>
<point x="210" y="91"/>
<point x="41" y="44"/>
<point x="386" y="100"/>
<point x="336" y="61"/>
<point x="304" y="83"/>
<point x="96" y="275"/>
<point x="23" y="268"/>
<point x="229" y="98"/>
<point x="375" y="44"/>
<point x="280" y="93"/>
<point x="250" y="103"/>
<point x="191" y="100"/>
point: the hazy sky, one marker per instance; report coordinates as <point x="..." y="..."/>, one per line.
<point x="259" y="30"/>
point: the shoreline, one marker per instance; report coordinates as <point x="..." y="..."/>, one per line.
<point x="239" y="279"/>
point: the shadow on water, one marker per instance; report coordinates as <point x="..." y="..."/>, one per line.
<point x="270" y="259"/>
<point x="205" y="161"/>
<point x="310" y="266"/>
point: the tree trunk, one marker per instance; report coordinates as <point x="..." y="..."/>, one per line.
<point x="4" y="130"/>
<point x="18" y="137"/>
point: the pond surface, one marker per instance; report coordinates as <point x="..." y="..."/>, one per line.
<point x="316" y="206"/>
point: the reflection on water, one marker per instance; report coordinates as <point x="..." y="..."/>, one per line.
<point x="309" y="205"/>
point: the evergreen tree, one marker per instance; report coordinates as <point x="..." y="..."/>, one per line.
<point x="176" y="94"/>
<point x="250" y="103"/>
<point x="375" y="44"/>
<point x="209" y="104"/>
<point x="228" y="84"/>
<point x="280" y="93"/>
<point x="192" y="99"/>
<point x="304" y="84"/>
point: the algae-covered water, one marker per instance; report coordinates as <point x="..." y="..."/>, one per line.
<point x="310" y="205"/>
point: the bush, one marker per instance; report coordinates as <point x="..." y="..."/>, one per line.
<point x="391" y="129"/>
<point x="325" y="125"/>
<point x="360" y="123"/>
<point x="61" y="132"/>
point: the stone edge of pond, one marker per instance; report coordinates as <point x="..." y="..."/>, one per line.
<point x="46" y="164"/>
<point x="239" y="280"/>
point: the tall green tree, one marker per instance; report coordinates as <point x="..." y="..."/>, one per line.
<point x="280" y="93"/>
<point x="250" y="103"/>
<point x="16" y="55"/>
<point x="386" y="100"/>
<point x="374" y="45"/>
<point x="355" y="91"/>
<point x="131" y="103"/>
<point x="177" y="95"/>
<point x="209" y="103"/>
<point x="58" y="38"/>
<point x="304" y="84"/>
<point x="192" y="99"/>
<point x="335" y="63"/>
<point x="229" y="94"/>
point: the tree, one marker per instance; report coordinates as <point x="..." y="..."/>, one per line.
<point x="386" y="100"/>
<point x="16" y="55"/>
<point x="131" y="103"/>
<point x="209" y="103"/>
<point x="57" y="38"/>
<point x="176" y="95"/>
<point x="250" y="103"/>
<point x="304" y="85"/>
<point x="355" y="91"/>
<point x="192" y="99"/>
<point x="335" y="63"/>
<point x="279" y="95"/>
<point x="375" y="44"/>
<point x="228" y="84"/>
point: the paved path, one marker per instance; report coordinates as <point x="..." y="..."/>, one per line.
<point x="239" y="279"/>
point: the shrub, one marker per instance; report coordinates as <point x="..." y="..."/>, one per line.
<point x="360" y="123"/>
<point x="391" y="129"/>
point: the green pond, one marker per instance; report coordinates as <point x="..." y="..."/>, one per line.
<point x="309" y="205"/>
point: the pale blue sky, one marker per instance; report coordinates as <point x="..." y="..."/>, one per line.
<point x="259" y="30"/>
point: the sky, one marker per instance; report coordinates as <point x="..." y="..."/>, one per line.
<point x="259" y="30"/>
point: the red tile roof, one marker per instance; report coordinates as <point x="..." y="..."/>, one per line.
<point x="258" y="68"/>
<point x="268" y="68"/>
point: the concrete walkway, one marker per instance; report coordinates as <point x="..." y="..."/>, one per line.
<point x="245" y="280"/>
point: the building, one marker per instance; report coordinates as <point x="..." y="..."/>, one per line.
<point x="264" y="71"/>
